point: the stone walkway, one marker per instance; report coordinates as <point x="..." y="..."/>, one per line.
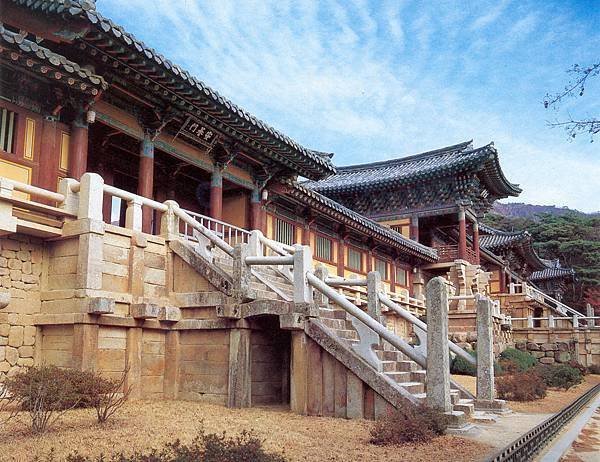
<point x="586" y="448"/>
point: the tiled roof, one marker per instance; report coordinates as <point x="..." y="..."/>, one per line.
<point x="68" y="71"/>
<point x="552" y="273"/>
<point x="425" y="166"/>
<point x="409" y="246"/>
<point x="308" y="163"/>
<point x="495" y="239"/>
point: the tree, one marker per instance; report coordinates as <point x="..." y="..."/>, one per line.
<point x="575" y="88"/>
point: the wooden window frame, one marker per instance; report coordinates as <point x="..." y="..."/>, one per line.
<point x="407" y="269"/>
<point x="332" y="253"/>
<point x="387" y="276"/>
<point x="362" y="263"/>
<point x="289" y="222"/>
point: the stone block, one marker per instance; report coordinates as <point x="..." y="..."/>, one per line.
<point x="15" y="275"/>
<point x="26" y="352"/>
<point x="538" y="354"/>
<point x="547" y="360"/>
<point x="521" y="346"/>
<point x="29" y="335"/>
<point x="101" y="305"/>
<point x="2" y="353"/>
<point x="9" y="244"/>
<point x="4" y="272"/>
<point x="27" y="267"/>
<point x="562" y="356"/>
<point x="15" y="264"/>
<point x="11" y="355"/>
<point x="15" y="336"/>
<point x="30" y="279"/>
<point x="549" y="347"/>
<point x="471" y="337"/>
<point x="8" y="254"/>
<point x="25" y="362"/>
<point x="562" y="346"/>
<point x="3" y="262"/>
<point x="4" y="366"/>
<point x="144" y="310"/>
<point x="169" y="313"/>
<point x="23" y="255"/>
<point x="4" y="329"/>
<point x="3" y="341"/>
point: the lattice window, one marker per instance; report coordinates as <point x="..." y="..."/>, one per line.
<point x="323" y="248"/>
<point x="381" y="267"/>
<point x="401" y="276"/>
<point x="354" y="259"/>
<point x="284" y="231"/>
<point x="7" y="130"/>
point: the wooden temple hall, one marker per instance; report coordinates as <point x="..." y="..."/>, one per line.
<point x="151" y="227"/>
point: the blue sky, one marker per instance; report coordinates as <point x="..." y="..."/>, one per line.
<point x="373" y="80"/>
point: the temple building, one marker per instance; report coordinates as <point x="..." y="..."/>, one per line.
<point x="151" y="227"/>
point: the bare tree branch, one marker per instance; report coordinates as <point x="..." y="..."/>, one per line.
<point x="575" y="87"/>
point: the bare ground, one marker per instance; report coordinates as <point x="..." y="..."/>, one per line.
<point x="142" y="425"/>
<point x="555" y="400"/>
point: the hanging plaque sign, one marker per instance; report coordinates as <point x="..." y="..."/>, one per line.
<point x="196" y="130"/>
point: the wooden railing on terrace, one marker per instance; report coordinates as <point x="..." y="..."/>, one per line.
<point x="449" y="252"/>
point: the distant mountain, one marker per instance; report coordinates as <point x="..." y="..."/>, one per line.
<point x="528" y="210"/>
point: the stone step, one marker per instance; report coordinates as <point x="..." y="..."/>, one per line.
<point x="413" y="387"/>
<point x="388" y="366"/>
<point x="332" y="313"/>
<point x="388" y="355"/>
<point x="347" y="334"/>
<point x="407" y="366"/>
<point x="337" y="323"/>
<point x="467" y="408"/>
<point x="454" y="396"/>
<point x="399" y="376"/>
<point x="419" y="376"/>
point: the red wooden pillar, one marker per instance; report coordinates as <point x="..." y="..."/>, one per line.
<point x="462" y="235"/>
<point x="49" y="155"/>
<point x="476" y="241"/>
<point x="146" y="178"/>
<point x="414" y="228"/>
<point x="340" y="257"/>
<point x="370" y="261"/>
<point x="106" y="172"/>
<point x="216" y="194"/>
<point x="393" y="276"/>
<point x="256" y="211"/>
<point x="78" y="146"/>
<point x="502" y="280"/>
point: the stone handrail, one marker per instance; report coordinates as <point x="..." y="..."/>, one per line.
<point x="228" y="232"/>
<point x="203" y="230"/>
<point x="277" y="247"/>
<point x="6" y="183"/>
<point x="575" y="320"/>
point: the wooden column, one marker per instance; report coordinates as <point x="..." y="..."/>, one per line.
<point x="216" y="194"/>
<point x="340" y="257"/>
<point x="78" y="145"/>
<point x="462" y="235"/>
<point x="49" y="154"/>
<point x="502" y="280"/>
<point x="256" y="211"/>
<point x="146" y="178"/>
<point x="370" y="261"/>
<point x="414" y="228"/>
<point x="306" y="234"/>
<point x="393" y="276"/>
<point x="476" y="241"/>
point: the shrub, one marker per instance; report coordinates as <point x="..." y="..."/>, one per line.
<point x="408" y="425"/>
<point x="580" y="367"/>
<point x="512" y="359"/>
<point x="204" y="448"/>
<point x="594" y="369"/>
<point x="108" y="396"/>
<point x="560" y="376"/>
<point x="46" y="393"/>
<point x="521" y="386"/>
<point x="460" y="366"/>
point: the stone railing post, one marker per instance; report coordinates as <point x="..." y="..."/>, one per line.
<point x="91" y="197"/>
<point x="551" y="321"/>
<point x="255" y="247"/>
<point x="374" y="287"/>
<point x="590" y="314"/>
<point x="133" y="215"/>
<point x="302" y="265"/>
<point x="169" y="224"/>
<point x="71" y="202"/>
<point x="529" y="322"/>
<point x="486" y="393"/>
<point x="241" y="271"/>
<point x="438" y="355"/>
<point x="8" y="223"/>
<point x="575" y="321"/>
<point x="320" y="299"/>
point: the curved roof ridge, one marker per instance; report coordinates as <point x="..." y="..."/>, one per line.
<point x="399" y="160"/>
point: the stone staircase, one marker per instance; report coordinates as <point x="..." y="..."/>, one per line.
<point x="395" y="364"/>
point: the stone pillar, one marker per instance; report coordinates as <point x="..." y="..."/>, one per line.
<point x="530" y="322"/>
<point x="85" y="346"/>
<point x="299" y="372"/>
<point x="78" y="145"/>
<point x="302" y="265"/>
<point x="414" y="228"/>
<point x="256" y="211"/>
<point x="241" y="271"/>
<point x="133" y="362"/>
<point x="462" y="235"/>
<point x="216" y="194"/>
<point x="172" y="359"/>
<point x="418" y="285"/>
<point x="168" y="222"/>
<point x="320" y="299"/>
<point x="146" y="178"/>
<point x="589" y="312"/>
<point x="374" y="286"/>
<point x="240" y="380"/>
<point x="485" y="350"/>
<point x="476" y="248"/>
<point x="438" y="355"/>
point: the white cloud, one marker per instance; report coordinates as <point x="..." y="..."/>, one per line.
<point x="372" y="80"/>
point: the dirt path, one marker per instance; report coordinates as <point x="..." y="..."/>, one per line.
<point x="149" y="424"/>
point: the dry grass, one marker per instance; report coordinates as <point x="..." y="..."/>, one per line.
<point x="554" y="401"/>
<point x="142" y="425"/>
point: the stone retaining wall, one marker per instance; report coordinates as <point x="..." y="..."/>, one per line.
<point x="549" y="353"/>
<point x="20" y="272"/>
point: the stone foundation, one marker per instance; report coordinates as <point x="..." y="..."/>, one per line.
<point x="549" y="353"/>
